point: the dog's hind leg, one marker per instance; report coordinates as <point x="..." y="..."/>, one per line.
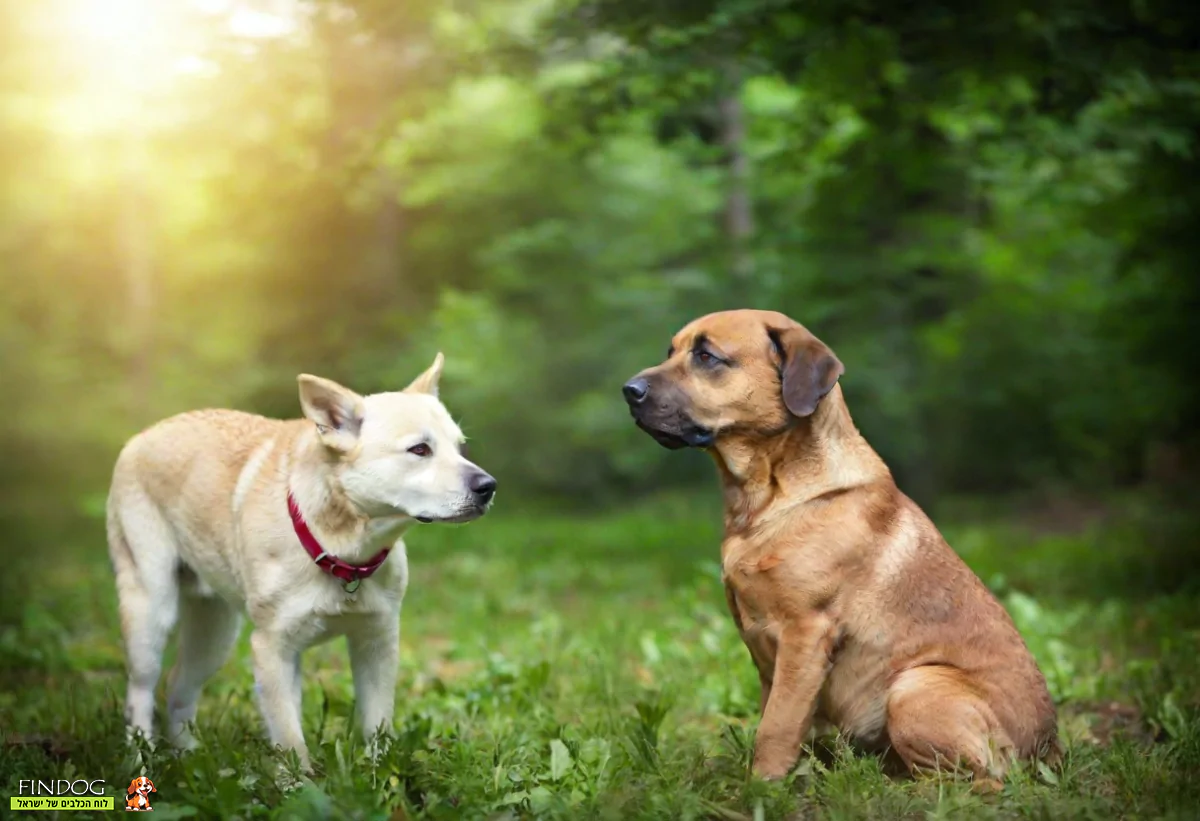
<point x="141" y="547"/>
<point x="208" y="628"/>
<point x="936" y="721"/>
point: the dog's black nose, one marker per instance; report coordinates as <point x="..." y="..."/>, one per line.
<point x="483" y="486"/>
<point x="635" y="391"/>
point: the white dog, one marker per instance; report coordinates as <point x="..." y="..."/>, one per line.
<point x="297" y="522"/>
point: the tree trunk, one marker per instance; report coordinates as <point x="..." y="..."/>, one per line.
<point x="739" y="210"/>
<point x="137" y="265"/>
<point x="388" y="234"/>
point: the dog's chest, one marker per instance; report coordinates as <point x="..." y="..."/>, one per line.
<point x="329" y="597"/>
<point x="760" y="583"/>
<point x="310" y="606"/>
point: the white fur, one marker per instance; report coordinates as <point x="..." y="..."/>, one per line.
<point x="199" y="533"/>
<point x="250" y="473"/>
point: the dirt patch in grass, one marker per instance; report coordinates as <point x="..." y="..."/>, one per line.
<point x="1106" y="721"/>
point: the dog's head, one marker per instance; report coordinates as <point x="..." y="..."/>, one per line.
<point x="748" y="372"/>
<point x="141" y="786"/>
<point x="398" y="453"/>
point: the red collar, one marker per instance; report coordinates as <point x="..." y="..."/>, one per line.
<point x="350" y="574"/>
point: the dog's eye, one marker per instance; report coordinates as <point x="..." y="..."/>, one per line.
<point x="705" y="358"/>
<point x="421" y="450"/>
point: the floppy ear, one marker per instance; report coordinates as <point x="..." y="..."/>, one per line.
<point x="808" y="369"/>
<point x="428" y="381"/>
<point x="152" y="787"/>
<point x="132" y="787"/>
<point x="336" y="411"/>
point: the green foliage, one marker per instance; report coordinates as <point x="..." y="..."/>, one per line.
<point x="988" y="212"/>
<point x="987" y="215"/>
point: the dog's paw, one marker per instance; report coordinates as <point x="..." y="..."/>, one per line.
<point x="286" y="778"/>
<point x="136" y="738"/>
<point x="987" y="786"/>
<point x="376" y="747"/>
<point x="771" y="769"/>
<point x="183" y="740"/>
<point x="136" y="760"/>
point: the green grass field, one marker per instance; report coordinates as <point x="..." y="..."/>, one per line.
<point x="587" y="668"/>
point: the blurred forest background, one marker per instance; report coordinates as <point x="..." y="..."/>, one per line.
<point x="988" y="210"/>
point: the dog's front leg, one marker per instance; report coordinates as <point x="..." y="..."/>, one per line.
<point x="374" y="659"/>
<point x="276" y="671"/>
<point x="801" y="665"/>
<point x="763" y="665"/>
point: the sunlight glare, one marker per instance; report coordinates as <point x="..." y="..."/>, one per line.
<point x="128" y="57"/>
<point x="246" y="22"/>
<point x="113" y="21"/>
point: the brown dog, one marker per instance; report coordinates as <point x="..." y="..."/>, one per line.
<point x="855" y="610"/>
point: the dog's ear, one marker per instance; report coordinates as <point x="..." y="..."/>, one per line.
<point x="428" y="381"/>
<point x="152" y="787"/>
<point x="336" y="411"/>
<point x="808" y="369"/>
<point x="132" y="787"/>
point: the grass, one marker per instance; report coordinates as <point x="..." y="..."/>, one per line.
<point x="578" y="668"/>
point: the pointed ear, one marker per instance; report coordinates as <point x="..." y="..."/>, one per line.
<point x="808" y="369"/>
<point x="428" y="381"/>
<point x="336" y="411"/>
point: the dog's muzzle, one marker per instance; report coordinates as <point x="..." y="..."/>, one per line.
<point x="481" y="492"/>
<point x="672" y="433"/>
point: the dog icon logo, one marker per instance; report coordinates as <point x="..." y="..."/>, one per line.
<point x="137" y="797"/>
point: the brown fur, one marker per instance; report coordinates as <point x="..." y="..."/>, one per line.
<point x="854" y="609"/>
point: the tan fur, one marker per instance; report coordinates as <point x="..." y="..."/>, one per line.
<point x="855" y="610"/>
<point x="199" y="531"/>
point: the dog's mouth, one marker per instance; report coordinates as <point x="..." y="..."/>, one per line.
<point x="660" y="410"/>
<point x="689" y="436"/>
<point x="468" y="514"/>
<point x="670" y="441"/>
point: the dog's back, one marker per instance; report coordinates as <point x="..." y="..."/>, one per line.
<point x="177" y="488"/>
<point x="200" y="453"/>
<point x="191" y="466"/>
